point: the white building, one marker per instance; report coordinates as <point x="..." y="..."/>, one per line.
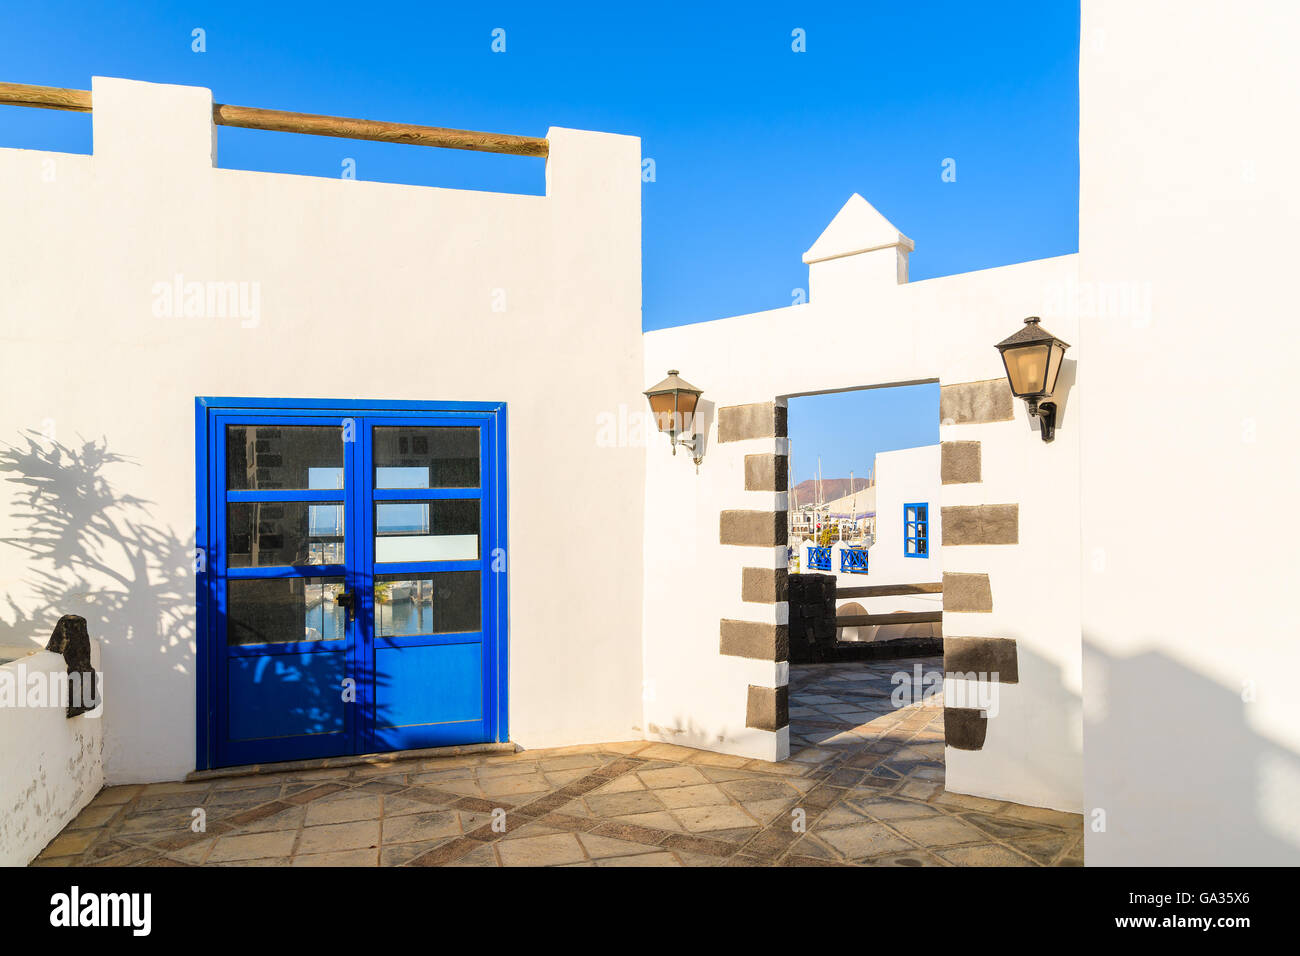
<point x="909" y="523"/>
<point x="854" y="513"/>
<point x="899" y="511"/>
<point x="907" y="547"/>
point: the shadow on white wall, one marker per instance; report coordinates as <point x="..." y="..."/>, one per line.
<point x="1148" y="719"/>
<point x="95" y="551"/>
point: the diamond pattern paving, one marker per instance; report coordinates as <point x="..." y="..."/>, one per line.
<point x="863" y="787"/>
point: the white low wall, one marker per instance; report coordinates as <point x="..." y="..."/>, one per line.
<point x="51" y="765"/>
<point x="888" y="605"/>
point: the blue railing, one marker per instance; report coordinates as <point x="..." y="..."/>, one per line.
<point x="819" y="559"/>
<point x="853" y="561"/>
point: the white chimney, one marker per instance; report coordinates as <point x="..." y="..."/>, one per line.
<point x="860" y="248"/>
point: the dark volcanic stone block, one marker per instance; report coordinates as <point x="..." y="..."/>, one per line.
<point x="984" y="656"/>
<point x="968" y="403"/>
<point x="964" y="728"/>
<point x="72" y="640"/>
<point x="981" y="524"/>
<point x="767" y="708"/>
<point x="967" y="592"/>
<point x="959" y="462"/>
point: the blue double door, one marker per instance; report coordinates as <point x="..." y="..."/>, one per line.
<point x="354" y="597"/>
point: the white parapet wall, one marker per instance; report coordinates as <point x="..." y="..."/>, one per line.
<point x="353" y="290"/>
<point x="51" y="765"/>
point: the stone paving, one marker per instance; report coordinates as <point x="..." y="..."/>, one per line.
<point x="864" y="786"/>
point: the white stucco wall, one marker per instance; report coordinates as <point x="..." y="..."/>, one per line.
<point x="51" y="765"/>
<point x="942" y="329"/>
<point x="904" y="476"/>
<point x="1188" y="212"/>
<point x="367" y="291"/>
<point x="1034" y="744"/>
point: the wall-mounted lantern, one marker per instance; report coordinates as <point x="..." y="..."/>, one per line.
<point x="1033" y="362"/>
<point x="673" y="402"/>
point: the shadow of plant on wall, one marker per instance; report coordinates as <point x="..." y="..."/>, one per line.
<point x="93" y="551"/>
<point x="96" y="551"/>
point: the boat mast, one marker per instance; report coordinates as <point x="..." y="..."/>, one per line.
<point x="793" y="508"/>
<point x="853" y="503"/>
<point x="820" y="501"/>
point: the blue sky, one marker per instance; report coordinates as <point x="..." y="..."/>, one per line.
<point x="848" y="428"/>
<point x="755" y="146"/>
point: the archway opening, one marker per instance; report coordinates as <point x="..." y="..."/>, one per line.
<point x="865" y="585"/>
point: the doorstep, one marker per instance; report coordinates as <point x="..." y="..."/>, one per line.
<point x="331" y="763"/>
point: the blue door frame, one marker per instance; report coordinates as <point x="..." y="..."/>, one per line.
<point x="409" y="690"/>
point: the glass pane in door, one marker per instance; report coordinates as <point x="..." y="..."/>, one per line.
<point x="284" y="457"/>
<point x="443" y="602"/>
<point x="434" y="456"/>
<point x="283" y="610"/>
<point x="270" y="533"/>
<point x="441" y="530"/>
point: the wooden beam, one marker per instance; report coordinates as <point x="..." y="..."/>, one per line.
<point x="250" y="117"/>
<point x="45" y="97"/>
<point x="890" y="590"/>
<point x="901" y="617"/>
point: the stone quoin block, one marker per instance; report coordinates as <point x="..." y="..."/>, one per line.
<point x="758" y="529"/>
<point x="970" y="403"/>
<point x="753" y="639"/>
<point x="964" y="728"/>
<point x="967" y="592"/>
<point x="981" y="524"/>
<point x="742" y="422"/>
<point x="981" y="656"/>
<point x="767" y="708"/>
<point x="764" y="585"/>
<point x="959" y="462"/>
<point x="766" y="472"/>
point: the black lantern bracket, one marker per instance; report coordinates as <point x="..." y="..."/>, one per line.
<point x="1046" y="414"/>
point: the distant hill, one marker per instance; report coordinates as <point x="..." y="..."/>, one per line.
<point x="805" y="493"/>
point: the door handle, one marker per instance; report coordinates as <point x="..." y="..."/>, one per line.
<point x="346" y="600"/>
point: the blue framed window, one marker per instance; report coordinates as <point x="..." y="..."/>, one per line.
<point x="819" y="559"/>
<point x="916" y="530"/>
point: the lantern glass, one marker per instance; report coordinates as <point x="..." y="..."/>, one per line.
<point x="1027" y="367"/>
<point x="1054" y="366"/>
<point x="661" y="406"/>
<point x="686" y="402"/>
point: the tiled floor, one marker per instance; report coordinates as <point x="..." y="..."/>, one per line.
<point x="864" y="786"/>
